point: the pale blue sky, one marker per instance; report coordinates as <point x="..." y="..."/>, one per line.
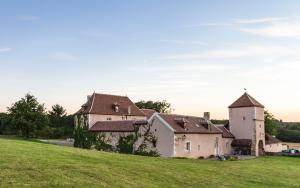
<point x="198" y="55"/>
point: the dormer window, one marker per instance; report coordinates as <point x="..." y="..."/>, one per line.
<point x="116" y="107"/>
<point x="181" y="121"/>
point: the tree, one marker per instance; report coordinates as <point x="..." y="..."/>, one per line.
<point x="271" y="123"/>
<point x="57" y="116"/>
<point x="28" y="115"/>
<point x="158" y="106"/>
<point x="61" y="124"/>
<point x="4" y="126"/>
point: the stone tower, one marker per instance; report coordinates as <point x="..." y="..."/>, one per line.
<point x="246" y="122"/>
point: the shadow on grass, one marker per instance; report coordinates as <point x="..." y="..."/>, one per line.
<point x="15" y="137"/>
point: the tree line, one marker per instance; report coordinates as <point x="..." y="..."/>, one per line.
<point x="30" y="119"/>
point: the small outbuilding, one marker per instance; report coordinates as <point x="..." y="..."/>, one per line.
<point x="274" y="145"/>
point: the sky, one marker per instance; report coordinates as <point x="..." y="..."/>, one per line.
<point x="198" y="55"/>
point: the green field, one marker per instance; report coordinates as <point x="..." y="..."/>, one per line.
<point x="34" y="164"/>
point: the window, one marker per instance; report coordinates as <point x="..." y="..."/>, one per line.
<point x="259" y="126"/>
<point x="198" y="147"/>
<point x="154" y="143"/>
<point x="244" y="118"/>
<point x="108" y="119"/>
<point x="188" y="146"/>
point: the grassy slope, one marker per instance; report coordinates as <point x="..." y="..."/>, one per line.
<point x="33" y="164"/>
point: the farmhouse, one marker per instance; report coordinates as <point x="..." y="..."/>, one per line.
<point x="178" y="135"/>
<point x="114" y="116"/>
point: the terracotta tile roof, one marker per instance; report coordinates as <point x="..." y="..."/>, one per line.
<point x="246" y="101"/>
<point x="271" y="140"/>
<point x="148" y="112"/>
<point x="225" y="132"/>
<point x="241" y="143"/>
<point x="103" y="104"/>
<point x="190" y="124"/>
<point x="116" y="126"/>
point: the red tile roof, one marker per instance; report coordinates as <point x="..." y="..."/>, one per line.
<point x="271" y="140"/>
<point x="225" y="132"/>
<point x="190" y="124"/>
<point x="116" y="126"/>
<point x="148" y="112"/>
<point x="246" y="101"/>
<point x="103" y="104"/>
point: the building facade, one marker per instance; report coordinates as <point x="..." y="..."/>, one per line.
<point x="179" y="135"/>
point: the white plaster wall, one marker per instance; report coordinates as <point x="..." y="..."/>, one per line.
<point x="252" y="127"/>
<point x="206" y="142"/>
<point x="225" y="147"/>
<point x="112" y="138"/>
<point x="93" y="118"/>
<point x="165" y="137"/>
<point x="242" y="129"/>
<point x="278" y="147"/>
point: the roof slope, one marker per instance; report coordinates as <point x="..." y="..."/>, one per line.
<point x="246" y="101"/>
<point x="116" y="126"/>
<point x="103" y="104"/>
<point x="148" y="112"/>
<point x="225" y="132"/>
<point x="271" y="140"/>
<point x="192" y="124"/>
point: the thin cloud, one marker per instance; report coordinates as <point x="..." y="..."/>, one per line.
<point x="63" y="56"/>
<point x="27" y="18"/>
<point x="5" y="49"/>
<point x="248" y="51"/>
<point x="182" y="42"/>
<point x="277" y="29"/>
<point x="210" y="24"/>
<point x="261" y="20"/>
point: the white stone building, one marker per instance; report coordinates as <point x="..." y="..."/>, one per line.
<point x="179" y="135"/>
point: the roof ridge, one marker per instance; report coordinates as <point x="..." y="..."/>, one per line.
<point x="250" y="98"/>
<point x="181" y="115"/>
<point x="110" y="94"/>
<point x="92" y="104"/>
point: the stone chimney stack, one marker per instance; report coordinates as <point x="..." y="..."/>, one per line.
<point x="88" y="97"/>
<point x="129" y="110"/>
<point x="206" y="115"/>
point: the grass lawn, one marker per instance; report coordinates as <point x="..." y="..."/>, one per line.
<point x="33" y="164"/>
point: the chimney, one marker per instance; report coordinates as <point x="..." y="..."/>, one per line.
<point x="206" y="115"/>
<point x="88" y="97"/>
<point x="129" y="110"/>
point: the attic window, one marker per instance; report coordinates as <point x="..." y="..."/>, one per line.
<point x="116" y="107"/>
<point x="181" y="121"/>
<point x="244" y="118"/>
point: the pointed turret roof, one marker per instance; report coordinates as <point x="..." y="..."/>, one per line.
<point x="246" y="101"/>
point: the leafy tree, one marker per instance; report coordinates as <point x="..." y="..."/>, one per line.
<point x="4" y="123"/>
<point x="28" y="116"/>
<point x="158" y="106"/>
<point x="61" y="124"/>
<point x="57" y="116"/>
<point x="271" y="123"/>
<point x="83" y="138"/>
<point x="287" y="135"/>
